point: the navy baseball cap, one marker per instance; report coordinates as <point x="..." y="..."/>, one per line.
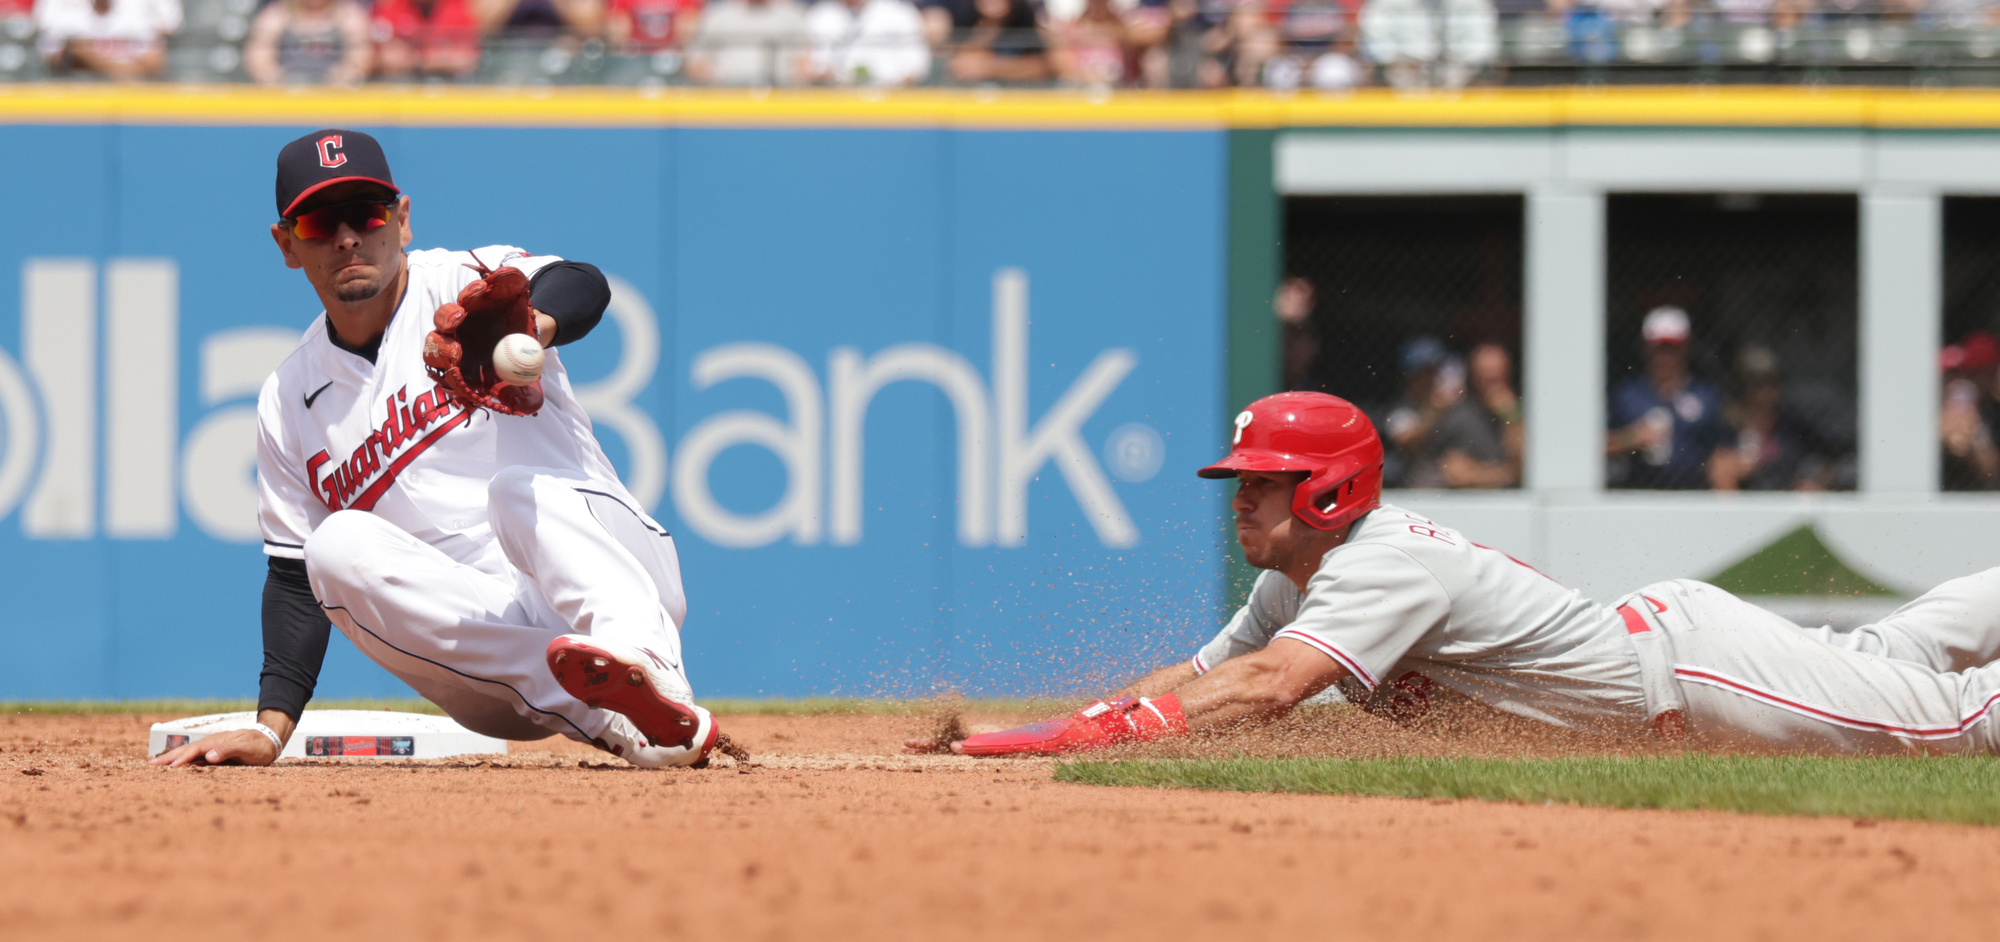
<point x="324" y="158"/>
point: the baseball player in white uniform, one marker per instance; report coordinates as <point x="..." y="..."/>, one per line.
<point x="1389" y="605"/>
<point x="494" y="562"/>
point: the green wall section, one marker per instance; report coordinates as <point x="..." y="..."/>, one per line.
<point x="1798" y="563"/>
<point x="1256" y="253"/>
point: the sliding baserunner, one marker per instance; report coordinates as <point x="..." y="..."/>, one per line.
<point x="1387" y="604"/>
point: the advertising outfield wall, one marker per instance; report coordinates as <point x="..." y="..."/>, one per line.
<point x="921" y="406"/>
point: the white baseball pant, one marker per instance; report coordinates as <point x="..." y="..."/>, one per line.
<point x="581" y="562"/>
<point x="1919" y="680"/>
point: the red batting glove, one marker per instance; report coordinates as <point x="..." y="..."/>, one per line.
<point x="1101" y="724"/>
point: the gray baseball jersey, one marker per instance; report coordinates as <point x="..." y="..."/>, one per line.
<point x="1406" y="593"/>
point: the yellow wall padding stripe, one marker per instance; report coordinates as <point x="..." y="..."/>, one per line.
<point x="1761" y="107"/>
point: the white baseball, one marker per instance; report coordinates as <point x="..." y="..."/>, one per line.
<point x="518" y="359"/>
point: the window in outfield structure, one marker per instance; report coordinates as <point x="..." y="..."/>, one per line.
<point x="1731" y="338"/>
<point x="1411" y="308"/>
<point x="1969" y="413"/>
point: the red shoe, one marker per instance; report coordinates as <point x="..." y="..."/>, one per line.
<point x="646" y="689"/>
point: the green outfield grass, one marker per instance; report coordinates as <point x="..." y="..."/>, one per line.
<point x="1957" y="790"/>
<point x="816" y="706"/>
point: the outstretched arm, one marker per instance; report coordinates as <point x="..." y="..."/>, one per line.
<point x="1263" y="685"/>
<point x="1253" y="687"/>
<point x="569" y="298"/>
<point x="1157" y="682"/>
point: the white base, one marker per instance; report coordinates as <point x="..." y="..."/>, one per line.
<point x="346" y="734"/>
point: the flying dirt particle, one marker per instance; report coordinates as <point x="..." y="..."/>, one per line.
<point x="942" y="723"/>
<point x="728" y="747"/>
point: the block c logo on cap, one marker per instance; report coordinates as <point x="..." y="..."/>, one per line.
<point x="329" y="155"/>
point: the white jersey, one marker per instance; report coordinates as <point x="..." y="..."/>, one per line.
<point x="1404" y="593"/>
<point x="336" y="432"/>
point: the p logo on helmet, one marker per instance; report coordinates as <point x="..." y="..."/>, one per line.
<point x="1324" y="436"/>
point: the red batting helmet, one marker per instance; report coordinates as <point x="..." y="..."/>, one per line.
<point x="1314" y="432"/>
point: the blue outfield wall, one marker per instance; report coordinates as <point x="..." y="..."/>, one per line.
<point x="921" y="407"/>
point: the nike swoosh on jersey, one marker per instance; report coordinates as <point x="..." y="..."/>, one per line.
<point x="315" y="394"/>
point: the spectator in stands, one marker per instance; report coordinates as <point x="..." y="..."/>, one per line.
<point x="1966" y="419"/>
<point x="998" y="41"/>
<point x="1089" y="49"/>
<point x="1480" y="438"/>
<point x="645" y="27"/>
<point x="539" y="20"/>
<point x="118" y="39"/>
<point x="867" y="42"/>
<point x="1419" y="44"/>
<point x="749" y="42"/>
<point x="425" y="39"/>
<point x="1169" y="42"/>
<point x="1244" y="44"/>
<point x="1777" y="448"/>
<point x="1407" y="431"/>
<point x="1318" y="48"/>
<point x="1667" y="425"/>
<point x="309" y="42"/>
<point x="17" y="21"/>
<point x="1294" y="305"/>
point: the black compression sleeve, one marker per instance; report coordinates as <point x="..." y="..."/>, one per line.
<point x="295" y="633"/>
<point x="574" y="293"/>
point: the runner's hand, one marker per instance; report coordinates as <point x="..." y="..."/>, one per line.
<point x="234" y="747"/>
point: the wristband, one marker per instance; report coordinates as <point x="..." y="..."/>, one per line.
<point x="277" y="742"/>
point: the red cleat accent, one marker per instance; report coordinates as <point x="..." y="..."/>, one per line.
<point x="1104" y="723"/>
<point x="602" y="679"/>
<point x="1047" y="738"/>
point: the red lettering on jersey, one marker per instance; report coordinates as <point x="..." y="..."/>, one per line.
<point x="329" y="151"/>
<point x="1433" y="534"/>
<point x="420" y="409"/>
<point x="312" y="474"/>
<point x="383" y="455"/>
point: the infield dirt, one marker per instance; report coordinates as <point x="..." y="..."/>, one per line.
<point x="830" y="835"/>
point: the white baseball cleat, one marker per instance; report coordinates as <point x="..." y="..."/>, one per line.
<point x="661" y="726"/>
<point x="623" y="739"/>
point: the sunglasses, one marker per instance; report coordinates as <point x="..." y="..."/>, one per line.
<point x="322" y="223"/>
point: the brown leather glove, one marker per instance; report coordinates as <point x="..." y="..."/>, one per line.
<point x="459" y="353"/>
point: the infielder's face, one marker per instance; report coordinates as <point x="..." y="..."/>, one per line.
<point x="353" y="265"/>
<point x="1265" y="525"/>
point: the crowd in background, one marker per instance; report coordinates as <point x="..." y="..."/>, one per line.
<point x="1325" y="44"/>
<point x="1458" y="423"/>
<point x="1969" y="416"/>
<point x="1673" y="429"/>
